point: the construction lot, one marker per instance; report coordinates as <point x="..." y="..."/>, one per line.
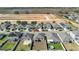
<point x="31" y="17"/>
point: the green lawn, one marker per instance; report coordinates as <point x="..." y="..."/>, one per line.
<point x="8" y="46"/>
<point x="22" y="47"/>
<point x="57" y="46"/>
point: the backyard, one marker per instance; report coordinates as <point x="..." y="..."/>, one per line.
<point x="8" y="45"/>
<point x="40" y="45"/>
<point x="55" y="46"/>
<point x="71" y="46"/>
<point x="22" y="47"/>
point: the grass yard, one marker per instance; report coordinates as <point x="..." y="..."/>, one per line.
<point x="57" y="46"/>
<point x="22" y="47"/>
<point x="8" y="46"/>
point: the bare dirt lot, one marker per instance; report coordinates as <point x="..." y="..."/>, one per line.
<point x="71" y="46"/>
<point x="31" y="17"/>
<point x="40" y="45"/>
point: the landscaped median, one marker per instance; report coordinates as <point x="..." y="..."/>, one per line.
<point x="55" y="46"/>
<point x="23" y="47"/>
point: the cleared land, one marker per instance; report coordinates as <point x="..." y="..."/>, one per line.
<point x="30" y="17"/>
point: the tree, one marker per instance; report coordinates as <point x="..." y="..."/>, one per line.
<point x="48" y="13"/>
<point x="70" y="41"/>
<point x="33" y="22"/>
<point x="24" y="22"/>
<point x="18" y="22"/>
<point x="42" y="25"/>
<point x="53" y="21"/>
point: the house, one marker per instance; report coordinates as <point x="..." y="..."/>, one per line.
<point x="24" y="23"/>
<point x="77" y="19"/>
<point x="1" y="29"/>
<point x="5" y="25"/>
<point x="39" y="37"/>
<point x="52" y="37"/>
<point x="27" y="38"/>
<point x="64" y="26"/>
<point x="75" y="35"/>
<point x="44" y="27"/>
<point x="13" y="27"/>
<point x="29" y="27"/>
<point x="56" y="26"/>
<point x="19" y="34"/>
<point x="48" y="26"/>
<point x="72" y="16"/>
<point x="20" y="27"/>
<point x="14" y="36"/>
<point x="39" y="26"/>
